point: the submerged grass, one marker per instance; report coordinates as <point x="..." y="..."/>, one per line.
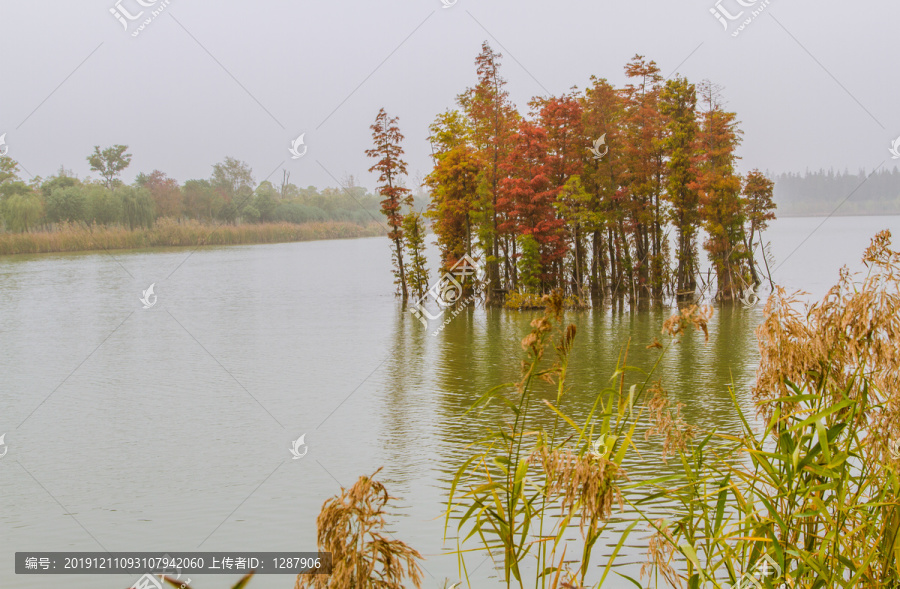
<point x="168" y="232"/>
<point x="524" y="301"/>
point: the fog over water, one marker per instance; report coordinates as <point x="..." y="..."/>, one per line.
<point x="168" y="428"/>
<point x="174" y="431"/>
<point x="207" y="80"/>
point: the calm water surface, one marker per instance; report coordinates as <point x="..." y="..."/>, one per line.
<point x="167" y="429"/>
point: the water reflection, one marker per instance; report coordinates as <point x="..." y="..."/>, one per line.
<point x="154" y="440"/>
<point x="432" y="381"/>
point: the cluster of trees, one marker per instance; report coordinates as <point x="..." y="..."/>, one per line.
<point x="819" y="193"/>
<point x="603" y="193"/>
<point x="229" y="195"/>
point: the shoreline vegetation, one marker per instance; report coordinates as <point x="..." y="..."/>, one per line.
<point x="64" y="213"/>
<point x="73" y="237"/>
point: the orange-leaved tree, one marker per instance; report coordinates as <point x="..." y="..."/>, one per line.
<point x="391" y="169"/>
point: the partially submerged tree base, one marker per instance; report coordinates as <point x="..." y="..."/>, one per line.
<point x="526" y="301"/>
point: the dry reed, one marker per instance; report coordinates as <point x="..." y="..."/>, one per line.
<point x="850" y="341"/>
<point x="350" y="527"/>
<point x="71" y="237"/>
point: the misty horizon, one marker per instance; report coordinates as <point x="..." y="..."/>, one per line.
<point x="186" y="92"/>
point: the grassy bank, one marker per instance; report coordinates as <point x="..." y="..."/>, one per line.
<point x="166" y="232"/>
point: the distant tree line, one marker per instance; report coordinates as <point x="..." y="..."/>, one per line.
<point x="819" y="193"/>
<point x="229" y="195"/>
<point x="604" y="193"/>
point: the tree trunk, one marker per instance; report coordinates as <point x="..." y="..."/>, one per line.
<point x="657" y="262"/>
<point x="515" y="268"/>
<point x="577" y="279"/>
<point x="595" y="281"/>
<point x="403" y="290"/>
<point x="615" y="257"/>
<point x="627" y="270"/>
<point x="752" y="260"/>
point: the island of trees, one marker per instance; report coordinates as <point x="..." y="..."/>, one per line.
<point x="605" y="193"/>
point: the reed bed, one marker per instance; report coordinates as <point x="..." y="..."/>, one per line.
<point x="69" y="237"/>
<point x="811" y="504"/>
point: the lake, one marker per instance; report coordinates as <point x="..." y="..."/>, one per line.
<point x="168" y="428"/>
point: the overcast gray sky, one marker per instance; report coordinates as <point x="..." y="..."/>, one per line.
<point x="813" y="82"/>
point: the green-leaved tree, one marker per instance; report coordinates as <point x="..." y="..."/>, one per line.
<point x="110" y="162"/>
